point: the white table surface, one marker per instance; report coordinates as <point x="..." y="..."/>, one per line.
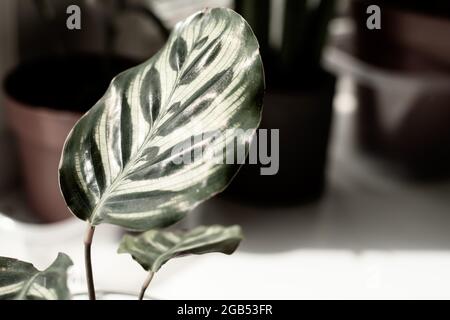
<point x="373" y="235"/>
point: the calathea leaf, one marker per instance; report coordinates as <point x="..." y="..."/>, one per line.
<point x="119" y="162"/>
<point x="22" y="281"/>
<point x="155" y="247"/>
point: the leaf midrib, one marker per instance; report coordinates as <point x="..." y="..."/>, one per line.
<point x="23" y="293"/>
<point x="136" y="156"/>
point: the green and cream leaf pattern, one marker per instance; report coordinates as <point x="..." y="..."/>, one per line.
<point x="22" y="281"/>
<point x="117" y="165"/>
<point x="154" y="248"/>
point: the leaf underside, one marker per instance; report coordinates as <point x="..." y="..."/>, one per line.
<point x="154" y="248"/>
<point x="22" y="281"/>
<point x="117" y="165"/>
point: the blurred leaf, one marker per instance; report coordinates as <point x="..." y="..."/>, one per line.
<point x="154" y="248"/>
<point x="22" y="281"/>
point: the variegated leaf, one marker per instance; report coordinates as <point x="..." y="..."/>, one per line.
<point x="22" y="281"/>
<point x="118" y="162"/>
<point x="154" y="248"/>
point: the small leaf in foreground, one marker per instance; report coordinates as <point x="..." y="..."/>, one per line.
<point x="22" y="281"/>
<point x="154" y="248"/>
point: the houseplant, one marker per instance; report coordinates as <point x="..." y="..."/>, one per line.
<point x="58" y="77"/>
<point x="298" y="100"/>
<point x="118" y="164"/>
<point x="403" y="112"/>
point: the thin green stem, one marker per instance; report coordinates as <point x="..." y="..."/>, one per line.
<point x="87" y="261"/>
<point x="146" y="284"/>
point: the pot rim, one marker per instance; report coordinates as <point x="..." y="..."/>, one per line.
<point x="100" y="293"/>
<point x="40" y="110"/>
<point x="120" y="62"/>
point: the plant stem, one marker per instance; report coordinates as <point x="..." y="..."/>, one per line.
<point x="146" y="284"/>
<point x="87" y="261"/>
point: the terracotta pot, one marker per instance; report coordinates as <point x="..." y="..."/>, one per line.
<point x="44" y="100"/>
<point x="109" y="295"/>
<point x="406" y="32"/>
<point x="41" y="133"/>
<point x="425" y="34"/>
<point x="403" y="88"/>
<point x="407" y="124"/>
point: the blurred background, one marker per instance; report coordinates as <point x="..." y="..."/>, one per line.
<point x="360" y="207"/>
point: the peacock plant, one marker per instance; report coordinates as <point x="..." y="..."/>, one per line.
<point x="122" y="163"/>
